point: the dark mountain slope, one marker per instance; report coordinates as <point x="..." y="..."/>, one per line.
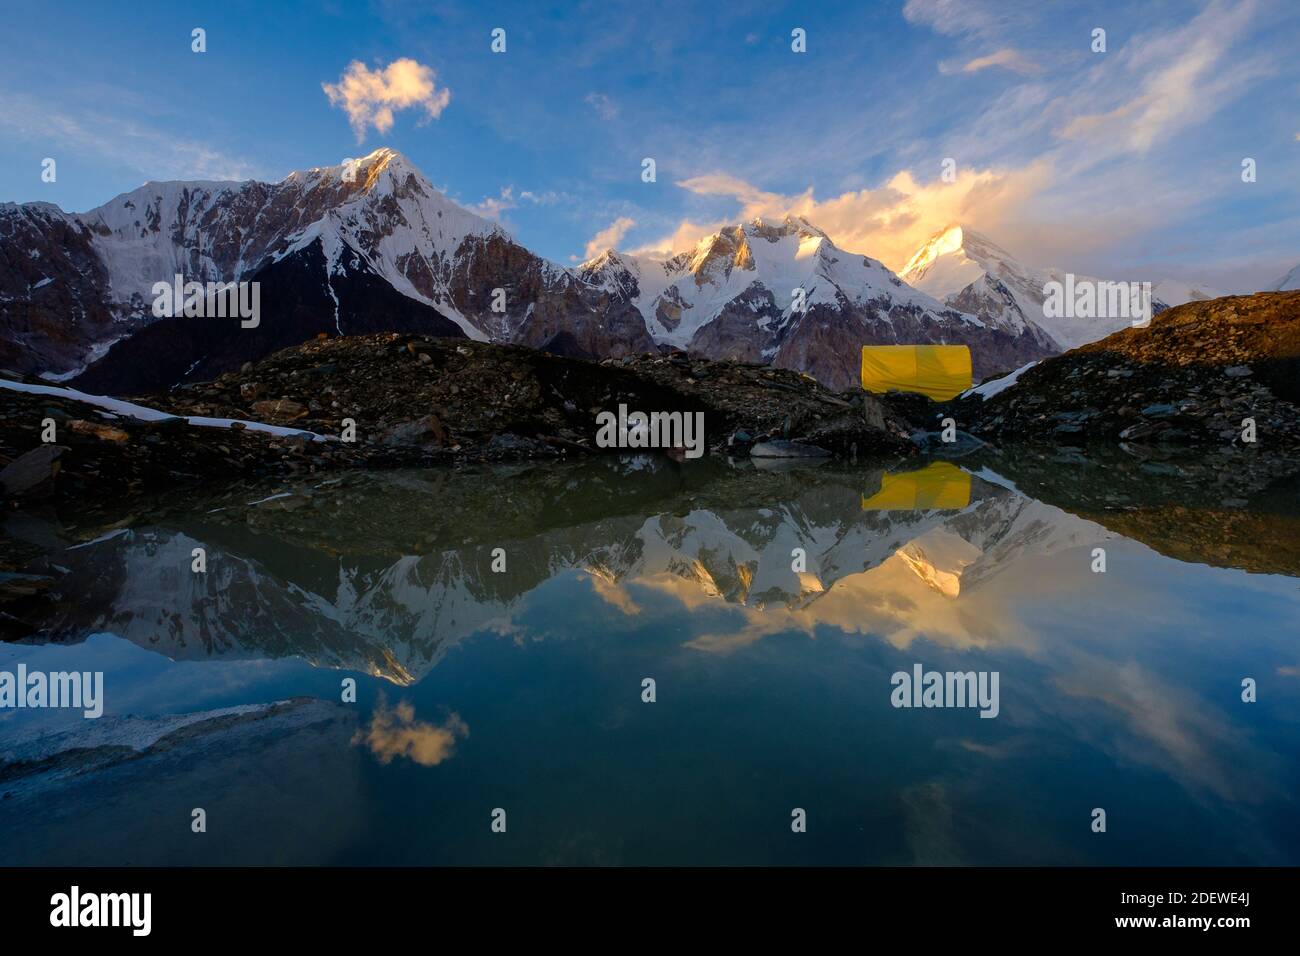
<point x="298" y="303"/>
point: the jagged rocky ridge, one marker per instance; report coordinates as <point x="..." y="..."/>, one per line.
<point x="1192" y="378"/>
<point x="331" y="245"/>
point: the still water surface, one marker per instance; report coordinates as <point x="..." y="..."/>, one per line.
<point x="522" y="689"/>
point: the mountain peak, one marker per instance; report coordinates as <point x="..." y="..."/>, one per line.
<point x="947" y="262"/>
<point x="943" y="242"/>
<point x="383" y="158"/>
<point x="365" y="171"/>
<point x="1288" y="282"/>
<point x="790" y="225"/>
<point x="957" y="241"/>
<point x="609" y="256"/>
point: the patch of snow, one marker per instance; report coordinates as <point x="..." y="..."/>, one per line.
<point x="97" y="351"/>
<point x="998" y="385"/>
<point x="282" y="494"/>
<point x="145" y="414"/>
<point x="138" y="733"/>
<point x="993" y="478"/>
<point x="103" y="537"/>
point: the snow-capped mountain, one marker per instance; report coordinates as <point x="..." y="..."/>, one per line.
<point x="1288" y="283"/>
<point x="782" y="292"/>
<point x="380" y="207"/>
<point x="359" y="247"/>
<point x="370" y="245"/>
<point x="969" y="271"/>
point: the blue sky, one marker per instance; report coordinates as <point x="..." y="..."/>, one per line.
<point x="1125" y="163"/>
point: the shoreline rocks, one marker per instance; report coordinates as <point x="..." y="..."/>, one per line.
<point x="399" y="400"/>
<point x="1197" y="377"/>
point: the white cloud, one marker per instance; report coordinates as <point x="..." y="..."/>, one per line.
<point x="370" y="97"/>
<point x="493" y="207"/>
<point x="684" y="236"/>
<point x="548" y="198"/>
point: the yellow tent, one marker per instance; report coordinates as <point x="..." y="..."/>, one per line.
<point x="939" y="371"/>
<point x="939" y="485"/>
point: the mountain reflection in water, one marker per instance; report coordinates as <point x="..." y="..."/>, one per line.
<point x="770" y="606"/>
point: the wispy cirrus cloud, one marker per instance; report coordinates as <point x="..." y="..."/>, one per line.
<point x="370" y="97"/>
<point x="605" y="107"/>
<point x="955" y="17"/>
<point x="117" y="139"/>
<point x="495" y="207"/>
<point x="1163" y="83"/>
<point x="1007" y="58"/>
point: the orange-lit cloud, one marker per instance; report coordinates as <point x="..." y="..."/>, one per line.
<point x="888" y="223"/>
<point x="370" y="97"/>
<point x="609" y="237"/>
<point x="611" y="592"/>
<point x="1007" y="58"/>
<point x="396" y="733"/>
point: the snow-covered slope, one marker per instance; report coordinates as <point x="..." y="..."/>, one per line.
<point x="761" y="259"/>
<point x="1174" y="292"/>
<point x="1289" y="282"/>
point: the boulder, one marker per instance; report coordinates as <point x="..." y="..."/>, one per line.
<point x="33" y="471"/>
